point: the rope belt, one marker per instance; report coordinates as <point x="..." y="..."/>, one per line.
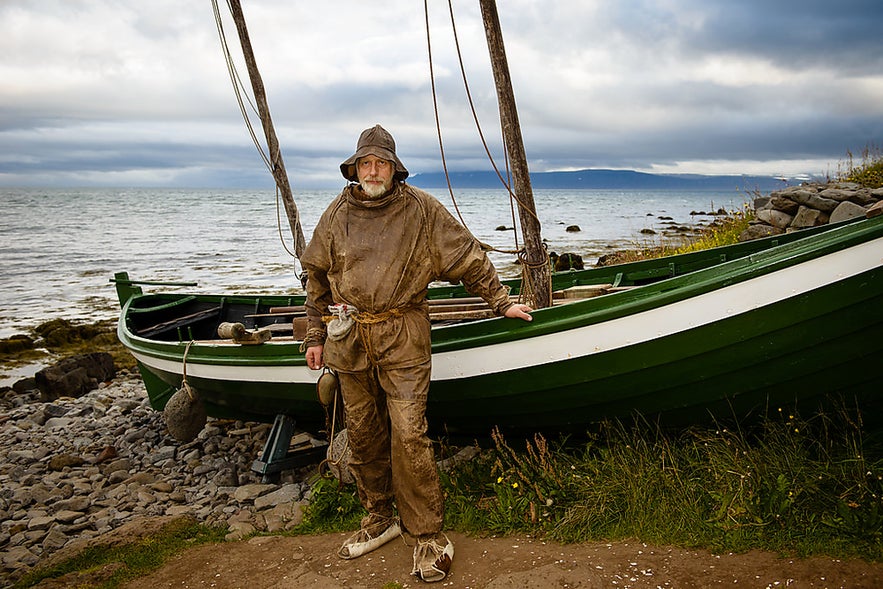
<point x="362" y="319"/>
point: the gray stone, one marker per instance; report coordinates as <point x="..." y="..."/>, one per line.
<point x="247" y="493"/>
<point x="121" y="464"/>
<point x="66" y="516"/>
<point x="18" y="556"/>
<point x="837" y="194"/>
<point x="775" y="218"/>
<point x="847" y="210"/>
<point x="814" y="201"/>
<point x="55" y="539"/>
<point x="51" y="496"/>
<point x="41" y="522"/>
<point x="808" y="217"/>
<point x="863" y="198"/>
<point x="74" y="376"/>
<point x="285" y="494"/>
<point x="784" y="204"/>
<point x="25" y="455"/>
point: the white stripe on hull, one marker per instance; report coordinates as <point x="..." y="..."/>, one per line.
<point x="602" y="337"/>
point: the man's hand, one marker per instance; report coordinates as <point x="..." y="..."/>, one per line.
<point x="314" y="357"/>
<point x="519" y="311"/>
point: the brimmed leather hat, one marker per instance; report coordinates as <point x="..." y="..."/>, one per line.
<point x="378" y="142"/>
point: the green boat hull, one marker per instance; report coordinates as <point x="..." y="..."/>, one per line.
<point x="734" y="331"/>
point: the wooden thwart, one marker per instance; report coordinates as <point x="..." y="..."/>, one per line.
<point x="452" y="309"/>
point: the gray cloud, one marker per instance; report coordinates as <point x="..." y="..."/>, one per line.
<point x="110" y="92"/>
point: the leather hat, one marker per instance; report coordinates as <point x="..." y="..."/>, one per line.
<point x="378" y="142"/>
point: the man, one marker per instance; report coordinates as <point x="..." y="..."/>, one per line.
<point x="373" y="254"/>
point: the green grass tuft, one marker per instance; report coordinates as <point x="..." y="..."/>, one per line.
<point x="108" y="567"/>
<point x="789" y="485"/>
<point x="869" y="172"/>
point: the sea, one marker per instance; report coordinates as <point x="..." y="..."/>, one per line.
<point x="60" y="248"/>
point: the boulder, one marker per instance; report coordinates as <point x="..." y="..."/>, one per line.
<point x="808" y="205"/>
<point x="776" y="218"/>
<point x="566" y="261"/>
<point x="808" y="217"/>
<point x="847" y="210"/>
<point x="814" y="201"/>
<point x="74" y="376"/>
<point x="786" y="205"/>
<point x="759" y="230"/>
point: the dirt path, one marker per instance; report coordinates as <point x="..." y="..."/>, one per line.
<point x="496" y="563"/>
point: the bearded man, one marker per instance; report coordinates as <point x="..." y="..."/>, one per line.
<point x="373" y="254"/>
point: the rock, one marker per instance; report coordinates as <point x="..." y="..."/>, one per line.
<point x="758" y="231"/>
<point x="837" y="194"/>
<point x="816" y="204"/>
<point x="113" y="467"/>
<point x="813" y="200"/>
<point x="107" y="454"/>
<point x="573" y="229"/>
<point x="25" y="385"/>
<point x="18" y="556"/>
<point x="67" y="517"/>
<point x="807" y="217"/>
<point x="239" y="530"/>
<point x="184" y="414"/>
<point x="75" y="375"/>
<point x="774" y="217"/>
<point x="847" y="210"/>
<point x="77" y="504"/>
<point x="63" y="461"/>
<point x="40" y="522"/>
<point x="15" y="343"/>
<point x="786" y="205"/>
<point x="566" y="261"/>
<point x="286" y="494"/>
<point x="248" y="493"/>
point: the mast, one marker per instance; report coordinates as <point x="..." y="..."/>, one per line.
<point x="277" y="165"/>
<point x="536" y="271"/>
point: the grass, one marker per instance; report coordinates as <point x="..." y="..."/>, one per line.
<point x="110" y="566"/>
<point x="868" y="173"/>
<point x="795" y="486"/>
<point x="724" y="230"/>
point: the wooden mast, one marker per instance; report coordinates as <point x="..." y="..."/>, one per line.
<point x="536" y="260"/>
<point x="277" y="165"/>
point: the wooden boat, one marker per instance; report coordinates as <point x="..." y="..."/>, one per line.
<point x="723" y="331"/>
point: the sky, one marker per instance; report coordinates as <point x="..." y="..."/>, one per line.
<point x="136" y="93"/>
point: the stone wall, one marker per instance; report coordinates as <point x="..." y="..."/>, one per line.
<point x="812" y="204"/>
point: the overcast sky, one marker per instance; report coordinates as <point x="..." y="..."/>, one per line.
<point x="136" y="92"/>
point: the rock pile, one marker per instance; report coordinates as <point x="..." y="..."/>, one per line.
<point x="75" y="468"/>
<point x="809" y="205"/>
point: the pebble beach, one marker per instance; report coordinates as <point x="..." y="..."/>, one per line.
<point x="76" y="468"/>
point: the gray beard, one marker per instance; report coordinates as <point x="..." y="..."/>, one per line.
<point x="375" y="191"/>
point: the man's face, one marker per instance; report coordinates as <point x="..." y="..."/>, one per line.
<point x="375" y="175"/>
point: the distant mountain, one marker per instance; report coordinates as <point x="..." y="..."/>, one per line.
<point x="607" y="179"/>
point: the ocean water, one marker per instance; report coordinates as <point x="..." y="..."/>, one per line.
<point x="59" y="248"/>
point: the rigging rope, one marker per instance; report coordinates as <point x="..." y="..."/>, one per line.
<point x="506" y="183"/>
<point x="527" y="292"/>
<point x="242" y="98"/>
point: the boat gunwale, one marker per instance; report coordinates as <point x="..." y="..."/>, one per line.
<point x="572" y="315"/>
